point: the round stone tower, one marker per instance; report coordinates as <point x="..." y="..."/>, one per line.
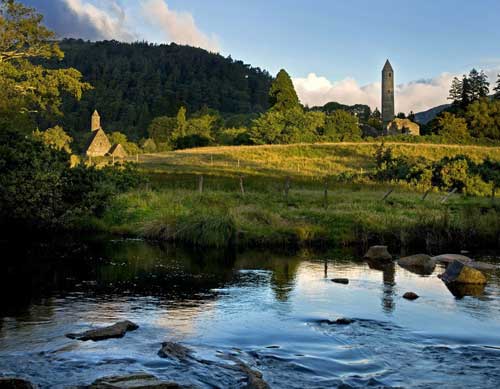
<point x="387" y="94"/>
<point x="95" y="123"/>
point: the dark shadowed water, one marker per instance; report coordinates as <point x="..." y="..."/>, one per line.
<point x="269" y="310"/>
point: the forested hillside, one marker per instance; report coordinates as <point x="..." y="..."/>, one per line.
<point x="134" y="83"/>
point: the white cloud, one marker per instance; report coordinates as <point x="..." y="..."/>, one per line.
<point x="413" y="96"/>
<point x="114" y="19"/>
<point x="178" y="27"/>
<point x="108" y="21"/>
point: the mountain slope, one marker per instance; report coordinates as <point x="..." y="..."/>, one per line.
<point x="135" y="82"/>
<point x="425" y="117"/>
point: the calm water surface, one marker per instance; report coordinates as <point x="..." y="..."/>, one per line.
<point x="264" y="308"/>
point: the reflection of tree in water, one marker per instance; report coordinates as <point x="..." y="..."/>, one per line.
<point x="283" y="267"/>
<point x="389" y="282"/>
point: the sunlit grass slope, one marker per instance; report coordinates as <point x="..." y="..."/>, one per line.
<point x="172" y="208"/>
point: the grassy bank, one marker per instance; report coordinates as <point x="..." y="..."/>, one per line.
<point x="354" y="215"/>
<point x="172" y="208"/>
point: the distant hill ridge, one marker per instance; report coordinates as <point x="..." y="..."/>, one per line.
<point x="425" y="117"/>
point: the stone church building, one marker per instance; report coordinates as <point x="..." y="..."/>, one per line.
<point x="99" y="144"/>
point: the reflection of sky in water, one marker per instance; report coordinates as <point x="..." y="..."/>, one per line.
<point x="269" y="306"/>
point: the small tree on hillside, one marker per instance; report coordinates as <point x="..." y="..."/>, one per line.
<point x="451" y="128"/>
<point x="456" y="91"/>
<point x="282" y="95"/>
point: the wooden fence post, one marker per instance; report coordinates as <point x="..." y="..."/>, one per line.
<point x="242" y="188"/>
<point x="325" y="198"/>
<point x="200" y="184"/>
<point x="388" y="193"/>
<point x="426" y="194"/>
<point x="445" y="198"/>
<point x="211" y="160"/>
<point x="287" y="188"/>
<point x="238" y="163"/>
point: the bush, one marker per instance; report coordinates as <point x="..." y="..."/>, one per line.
<point x="459" y="172"/>
<point x="39" y="189"/>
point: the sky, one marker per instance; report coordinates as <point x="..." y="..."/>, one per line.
<point x="334" y="50"/>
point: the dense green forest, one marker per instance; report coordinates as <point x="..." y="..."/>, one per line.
<point x="136" y="82"/>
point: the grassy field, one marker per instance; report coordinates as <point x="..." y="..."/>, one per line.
<point x="172" y="208"/>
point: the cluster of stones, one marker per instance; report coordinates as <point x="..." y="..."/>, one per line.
<point x="463" y="275"/>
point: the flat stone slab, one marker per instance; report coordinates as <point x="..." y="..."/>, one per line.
<point x="174" y="350"/>
<point x="133" y="381"/>
<point x="117" y="330"/>
<point x="458" y="272"/>
<point x="449" y="258"/>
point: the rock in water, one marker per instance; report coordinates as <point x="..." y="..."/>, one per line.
<point x="411" y="296"/>
<point x="449" y="258"/>
<point x="133" y="381"/>
<point x="15" y="383"/>
<point x="378" y="253"/>
<point x="117" y="330"/>
<point x="462" y="274"/>
<point x="418" y="263"/>
<point x="340" y="280"/>
<point x="343" y="321"/>
<point x="174" y="350"/>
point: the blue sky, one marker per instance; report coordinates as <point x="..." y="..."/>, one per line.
<point x="324" y="45"/>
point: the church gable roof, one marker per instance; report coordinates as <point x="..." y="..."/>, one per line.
<point x="98" y="144"/>
<point x="117" y="150"/>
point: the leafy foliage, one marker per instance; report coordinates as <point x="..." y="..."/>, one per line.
<point x="39" y="189"/>
<point x="27" y="88"/>
<point x="55" y="137"/>
<point x="458" y="172"/>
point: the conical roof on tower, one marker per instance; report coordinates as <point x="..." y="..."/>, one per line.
<point x="387" y="66"/>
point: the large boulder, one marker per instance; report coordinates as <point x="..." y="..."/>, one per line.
<point x="133" y="381"/>
<point x="458" y="272"/>
<point x="116" y="330"/>
<point x="462" y="290"/>
<point x="15" y="383"/>
<point x="418" y="263"/>
<point x="378" y="253"/>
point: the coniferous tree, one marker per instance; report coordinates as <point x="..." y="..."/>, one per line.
<point x="497" y="88"/>
<point x="456" y="91"/>
<point x="479" y="85"/>
<point x="466" y="92"/>
<point x="282" y="95"/>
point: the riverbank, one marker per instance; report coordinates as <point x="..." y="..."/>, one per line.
<point x="353" y="215"/>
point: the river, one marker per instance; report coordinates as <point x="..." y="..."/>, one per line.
<point x="268" y="309"/>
